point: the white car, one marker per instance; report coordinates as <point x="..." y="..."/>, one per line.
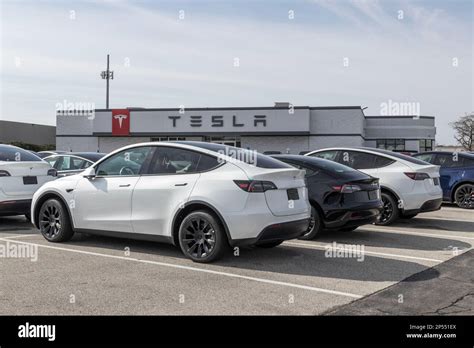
<point x="21" y="174"/>
<point x="202" y="197"/>
<point x="409" y="186"/>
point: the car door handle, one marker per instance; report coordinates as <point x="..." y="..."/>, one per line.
<point x="183" y="184"/>
<point x="124" y="185"/>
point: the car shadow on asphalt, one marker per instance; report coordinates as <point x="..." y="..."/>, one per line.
<point x="16" y="225"/>
<point x="393" y="240"/>
<point x="284" y="259"/>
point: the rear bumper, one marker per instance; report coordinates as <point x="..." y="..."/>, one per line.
<point x="15" y="207"/>
<point x="353" y="217"/>
<point x="431" y="205"/>
<point x="276" y="232"/>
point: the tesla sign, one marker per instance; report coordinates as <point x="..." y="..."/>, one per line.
<point x="120" y="122"/>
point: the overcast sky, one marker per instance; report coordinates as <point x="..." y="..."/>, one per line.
<point x="238" y="53"/>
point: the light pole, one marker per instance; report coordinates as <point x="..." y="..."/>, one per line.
<point x="107" y="75"/>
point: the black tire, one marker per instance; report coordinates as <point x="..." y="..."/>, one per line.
<point x="408" y="216"/>
<point x="348" y="229"/>
<point x="202" y="237"/>
<point x="316" y="225"/>
<point x="54" y="222"/>
<point x="390" y="211"/>
<point x="464" y="196"/>
<point x="269" y="245"/>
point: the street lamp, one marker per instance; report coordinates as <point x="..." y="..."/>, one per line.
<point x="107" y="75"/>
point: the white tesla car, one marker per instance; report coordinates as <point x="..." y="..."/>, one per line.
<point x="21" y="174"/>
<point x="200" y="196"/>
<point x="409" y="186"/>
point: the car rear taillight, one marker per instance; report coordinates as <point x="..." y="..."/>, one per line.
<point x="417" y="176"/>
<point x="52" y="172"/>
<point x="255" y="185"/>
<point x="347" y="188"/>
<point x="4" y="173"/>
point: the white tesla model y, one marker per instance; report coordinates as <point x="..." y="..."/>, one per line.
<point x="201" y="197"/>
<point x="21" y="174"/>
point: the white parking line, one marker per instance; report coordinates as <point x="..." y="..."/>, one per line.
<point x="397" y="256"/>
<point x="188" y="268"/>
<point x="391" y="230"/>
<point x="21" y="236"/>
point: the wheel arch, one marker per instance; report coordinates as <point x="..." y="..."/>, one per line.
<point x="193" y="206"/>
<point x="43" y="198"/>
<point x="456" y="186"/>
<point x="390" y="191"/>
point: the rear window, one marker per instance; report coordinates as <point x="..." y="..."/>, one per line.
<point x="401" y="156"/>
<point x="247" y="156"/>
<point x="333" y="167"/>
<point x="15" y="154"/>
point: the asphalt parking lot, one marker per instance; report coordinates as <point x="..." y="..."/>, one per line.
<point x="98" y="275"/>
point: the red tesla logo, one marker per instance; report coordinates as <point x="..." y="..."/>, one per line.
<point x="120" y="122"/>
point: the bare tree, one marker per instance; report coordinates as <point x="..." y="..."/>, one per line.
<point x="464" y="131"/>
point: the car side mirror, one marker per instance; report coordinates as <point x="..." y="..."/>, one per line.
<point x="89" y="173"/>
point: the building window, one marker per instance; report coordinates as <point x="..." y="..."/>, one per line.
<point x="391" y="144"/>
<point x="229" y="140"/>
<point x="426" y="145"/>
<point x="167" y="139"/>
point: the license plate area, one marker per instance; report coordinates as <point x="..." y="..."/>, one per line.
<point x="373" y="195"/>
<point x="30" y="180"/>
<point x="292" y="194"/>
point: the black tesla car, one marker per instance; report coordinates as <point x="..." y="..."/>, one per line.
<point x="342" y="198"/>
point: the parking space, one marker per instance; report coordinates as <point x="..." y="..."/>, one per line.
<point x="98" y="275"/>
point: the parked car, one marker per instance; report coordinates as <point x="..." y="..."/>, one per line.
<point x="268" y="153"/>
<point x="73" y="162"/>
<point x="341" y="197"/>
<point x="201" y="197"/>
<point x="409" y="186"/>
<point x="456" y="175"/>
<point x="43" y="154"/>
<point x="21" y="174"/>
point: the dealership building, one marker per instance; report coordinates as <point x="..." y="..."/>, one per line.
<point x="282" y="127"/>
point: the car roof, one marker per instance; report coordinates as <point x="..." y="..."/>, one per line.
<point x="460" y="153"/>
<point x="409" y="160"/>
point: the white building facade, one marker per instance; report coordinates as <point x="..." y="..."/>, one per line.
<point x="287" y="129"/>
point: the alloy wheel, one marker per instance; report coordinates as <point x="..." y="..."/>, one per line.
<point x="387" y="210"/>
<point x="465" y="196"/>
<point x="199" y="237"/>
<point x="50" y="221"/>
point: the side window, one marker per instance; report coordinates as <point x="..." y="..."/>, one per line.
<point x="382" y="161"/>
<point x="447" y="161"/>
<point x="127" y="162"/>
<point x="468" y="162"/>
<point x="52" y="161"/>
<point x="358" y="160"/>
<point x="207" y="163"/>
<point x="169" y="160"/>
<point x="427" y="157"/>
<point x="329" y="155"/>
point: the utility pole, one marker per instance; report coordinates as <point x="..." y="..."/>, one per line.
<point x="107" y="75"/>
